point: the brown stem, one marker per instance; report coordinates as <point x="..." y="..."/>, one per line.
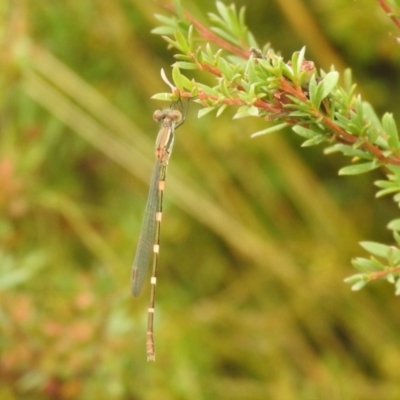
<point x="287" y="88"/>
<point x="341" y="134"/>
<point x="210" y="35"/>
<point x="381" y="274"/>
<point x="389" y="12"/>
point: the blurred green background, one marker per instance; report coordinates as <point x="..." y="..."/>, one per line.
<point x="257" y="234"/>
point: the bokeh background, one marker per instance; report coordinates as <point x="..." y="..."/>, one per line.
<point x="257" y="234"/>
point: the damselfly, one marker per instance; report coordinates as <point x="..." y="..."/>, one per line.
<point x="149" y="239"/>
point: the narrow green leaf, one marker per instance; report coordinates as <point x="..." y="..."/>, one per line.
<point x="171" y="42"/>
<point x="242" y="16"/>
<point x="223" y="11"/>
<point x="221" y="109"/>
<point x="394" y="225"/>
<point x="323" y="88"/>
<point x="205" y="111"/>
<point x="162" y="96"/>
<point x="312" y="89"/>
<point x="394" y="256"/>
<point x="185" y="65"/>
<point x="389" y="125"/>
<point x="304" y="132"/>
<point x="348" y="81"/>
<point x="365" y="265"/>
<point x="396" y="236"/>
<point x="183" y="57"/>
<point x="388" y="187"/>
<point x="190" y="37"/>
<point x="370" y="114"/>
<point x="376" y="249"/>
<point x="396" y="171"/>
<point x="235" y="25"/>
<point x="207" y="89"/>
<point x="316" y="140"/>
<point x="163" y="30"/>
<point x="329" y="82"/>
<point x="359" y="168"/>
<point x="358" y="285"/>
<point x="252" y="92"/>
<point x="246" y="111"/>
<point x="182" y="42"/>
<point x="224" y="35"/>
<point x="181" y="82"/>
<point x="167" y="21"/>
<point x="287" y="71"/>
<point x="250" y="70"/>
<point x="271" y="129"/>
<point x="385" y="184"/>
<point x="300" y="114"/>
<point x="297" y="61"/>
<point x="224" y="88"/>
<point x="225" y="68"/>
<point x="253" y="111"/>
<point x="390" y="278"/>
<point x="347" y="151"/>
<point x="316" y="101"/>
<point x="195" y="91"/>
<point x="353" y="278"/>
<point x="179" y="9"/>
<point x="385" y="192"/>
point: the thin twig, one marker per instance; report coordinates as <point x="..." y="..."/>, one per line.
<point x="210" y="35"/>
<point x="389" y="12"/>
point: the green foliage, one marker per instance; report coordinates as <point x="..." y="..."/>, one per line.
<point x="295" y="94"/>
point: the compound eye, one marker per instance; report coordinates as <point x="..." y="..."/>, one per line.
<point x="159" y="115"/>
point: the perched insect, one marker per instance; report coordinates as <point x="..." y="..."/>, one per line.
<point x="149" y="239"/>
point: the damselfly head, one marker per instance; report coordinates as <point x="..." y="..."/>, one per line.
<point x="168" y="114"/>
